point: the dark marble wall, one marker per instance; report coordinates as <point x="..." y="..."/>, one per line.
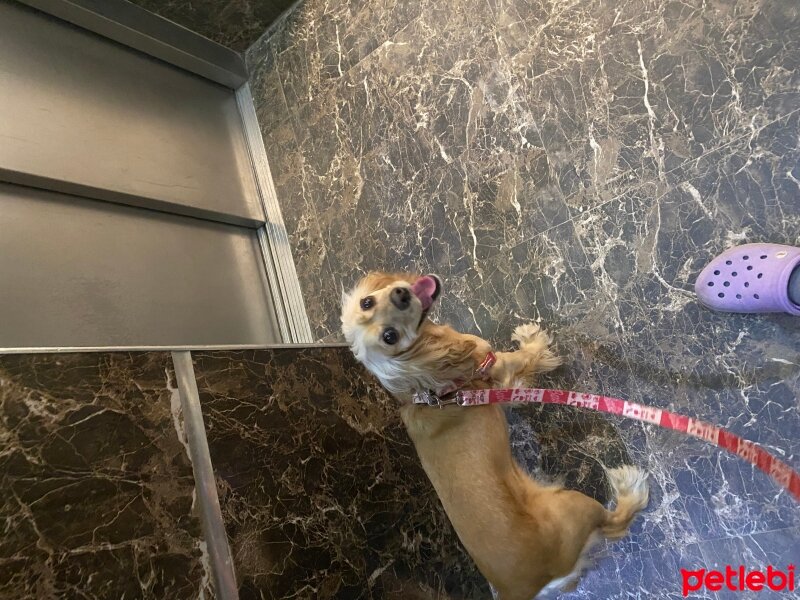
<point x="233" y="23"/>
<point x="97" y="487"/>
<point x="577" y="164"/>
<point x="321" y="490"/>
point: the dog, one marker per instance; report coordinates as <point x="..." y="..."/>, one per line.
<point x="523" y="535"/>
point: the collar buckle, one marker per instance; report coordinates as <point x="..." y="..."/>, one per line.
<point x="431" y="398"/>
<point x="488" y="362"/>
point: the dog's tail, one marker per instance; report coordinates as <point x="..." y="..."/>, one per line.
<point x="630" y="489"/>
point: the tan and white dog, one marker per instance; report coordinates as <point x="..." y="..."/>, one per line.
<point x="523" y="535"/>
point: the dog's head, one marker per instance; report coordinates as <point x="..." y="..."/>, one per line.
<point x="384" y="312"/>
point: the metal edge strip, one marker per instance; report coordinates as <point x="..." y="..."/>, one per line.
<point x="137" y="28"/>
<point x="219" y="551"/>
<point x="281" y="310"/>
<point x="71" y="188"/>
<point x="284" y="273"/>
<point x="272" y="28"/>
<point x="208" y="348"/>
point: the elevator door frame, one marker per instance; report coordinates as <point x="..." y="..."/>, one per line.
<point x="131" y="26"/>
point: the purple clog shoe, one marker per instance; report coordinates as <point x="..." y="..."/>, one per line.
<point x="753" y="278"/>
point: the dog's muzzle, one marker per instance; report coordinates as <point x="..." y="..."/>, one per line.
<point x="400" y="297"/>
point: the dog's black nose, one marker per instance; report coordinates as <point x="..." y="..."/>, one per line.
<point x="401" y="298"/>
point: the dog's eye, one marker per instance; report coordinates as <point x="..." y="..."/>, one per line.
<point x="390" y="336"/>
<point x="367" y="303"/>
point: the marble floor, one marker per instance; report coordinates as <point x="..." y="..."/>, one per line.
<point x="574" y="163"/>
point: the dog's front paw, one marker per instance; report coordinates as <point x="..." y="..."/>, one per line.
<point x="531" y="333"/>
<point x="535" y="341"/>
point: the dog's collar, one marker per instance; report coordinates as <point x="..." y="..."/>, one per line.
<point x="446" y="394"/>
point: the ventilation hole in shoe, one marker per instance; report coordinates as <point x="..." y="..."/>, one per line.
<point x="760" y="275"/>
<point x="746" y="257"/>
<point x="755" y="296"/>
<point x="728" y="262"/>
<point x="727" y="283"/>
<point x="738" y="296"/>
<point x="746" y="284"/>
<point x="749" y="267"/>
<point x="716" y="272"/>
<point x="763" y="256"/>
<point x="721" y="295"/>
<point x="710" y="284"/>
<point x="734" y="274"/>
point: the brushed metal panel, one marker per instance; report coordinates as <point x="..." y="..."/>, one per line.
<point x="117" y="125"/>
<point x="81" y="273"/>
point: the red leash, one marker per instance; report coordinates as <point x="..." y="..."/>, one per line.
<point x="782" y="473"/>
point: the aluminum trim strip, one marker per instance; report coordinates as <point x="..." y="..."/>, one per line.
<point x="219" y="551"/>
<point x="69" y="349"/>
<point x="281" y="312"/>
<point x="125" y="199"/>
<point x="276" y="238"/>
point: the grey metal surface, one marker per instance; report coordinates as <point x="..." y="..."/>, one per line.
<point x="84" y="115"/>
<point x="273" y="236"/>
<point x="197" y="347"/>
<point x="281" y="309"/>
<point x="77" y="273"/>
<point x="219" y="552"/>
<point x="138" y="28"/>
